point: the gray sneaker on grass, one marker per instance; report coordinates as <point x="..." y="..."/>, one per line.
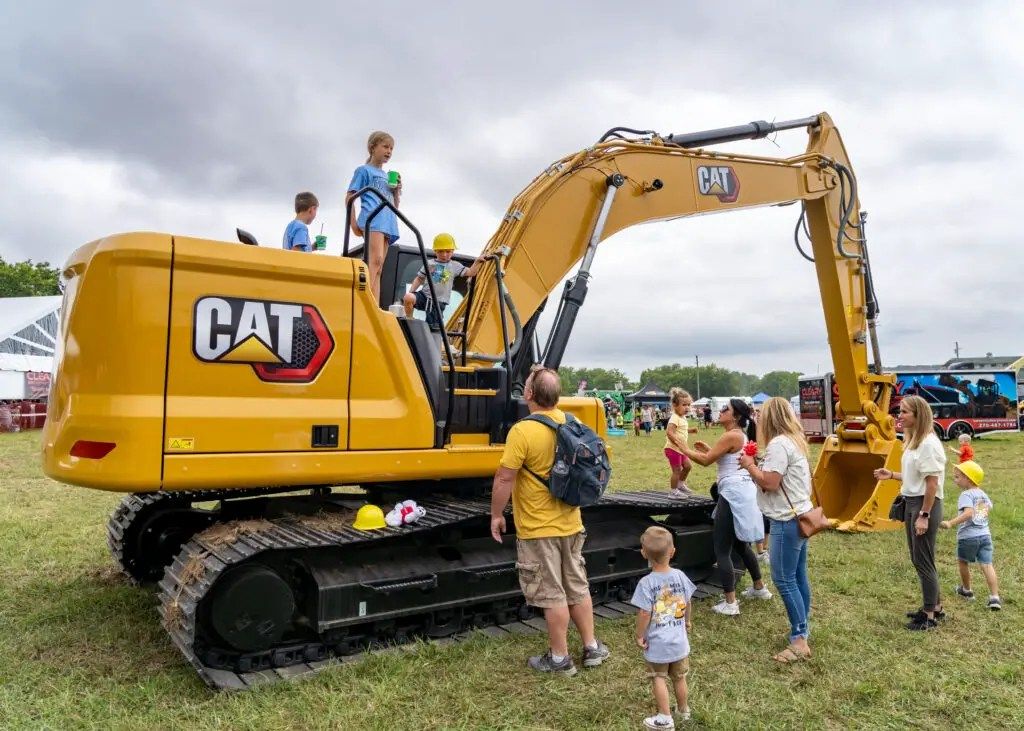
<point x="594" y="657"/>
<point x="545" y="664"/>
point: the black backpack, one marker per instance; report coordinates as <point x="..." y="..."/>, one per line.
<point x="581" y="470"/>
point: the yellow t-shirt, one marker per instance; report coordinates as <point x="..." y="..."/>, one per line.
<point x="682" y="431"/>
<point x="537" y="514"/>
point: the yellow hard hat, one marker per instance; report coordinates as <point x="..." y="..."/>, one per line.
<point x="444" y="242"/>
<point x="972" y="471"/>
<point x="369" y="517"/>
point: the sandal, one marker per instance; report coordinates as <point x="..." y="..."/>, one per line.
<point x="791" y="655"/>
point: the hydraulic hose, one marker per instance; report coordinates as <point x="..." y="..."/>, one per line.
<point x="506" y="298"/>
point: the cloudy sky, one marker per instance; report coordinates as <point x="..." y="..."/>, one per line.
<point x="197" y="117"/>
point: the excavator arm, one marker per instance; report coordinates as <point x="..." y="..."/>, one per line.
<point x="562" y="216"/>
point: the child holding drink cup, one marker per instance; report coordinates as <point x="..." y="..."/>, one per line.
<point x="383" y="230"/>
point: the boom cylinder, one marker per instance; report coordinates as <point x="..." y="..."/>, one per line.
<point x="752" y="131"/>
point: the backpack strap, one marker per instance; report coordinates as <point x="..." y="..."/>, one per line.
<point x="551" y="424"/>
<point x="546" y="420"/>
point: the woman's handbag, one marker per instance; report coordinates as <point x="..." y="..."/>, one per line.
<point x="898" y="510"/>
<point x="811" y="522"/>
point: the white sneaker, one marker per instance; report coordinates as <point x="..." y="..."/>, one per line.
<point x="724" y="607"/>
<point x="763" y="557"/>
<point x="681" y="715"/>
<point x="660" y="723"/>
<point x="752" y="593"/>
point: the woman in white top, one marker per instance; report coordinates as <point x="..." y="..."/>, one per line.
<point x="784" y="479"/>
<point x="738" y="521"/>
<point x="922" y="472"/>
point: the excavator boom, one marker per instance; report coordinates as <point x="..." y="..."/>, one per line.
<point x="560" y="218"/>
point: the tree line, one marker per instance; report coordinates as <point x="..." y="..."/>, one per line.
<point x="25" y="279"/>
<point x="714" y="380"/>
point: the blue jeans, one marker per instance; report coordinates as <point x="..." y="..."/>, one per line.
<point x="789" y="573"/>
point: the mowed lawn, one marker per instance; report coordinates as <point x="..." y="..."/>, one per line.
<point x="80" y="648"/>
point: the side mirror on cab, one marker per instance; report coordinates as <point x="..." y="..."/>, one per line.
<point x="246" y="238"/>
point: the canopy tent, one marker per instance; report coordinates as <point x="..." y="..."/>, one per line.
<point x="702" y="401"/>
<point x="760" y="398"/>
<point x="650" y="393"/>
<point x="28" y="338"/>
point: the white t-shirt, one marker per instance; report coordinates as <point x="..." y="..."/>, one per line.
<point x="783" y="456"/>
<point x="927" y="460"/>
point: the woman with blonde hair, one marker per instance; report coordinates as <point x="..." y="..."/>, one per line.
<point x="922" y="473"/>
<point x="784" y="482"/>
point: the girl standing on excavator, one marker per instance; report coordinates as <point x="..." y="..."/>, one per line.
<point x="384" y="227"/>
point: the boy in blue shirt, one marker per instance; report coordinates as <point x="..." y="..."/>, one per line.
<point x="663" y="598"/>
<point x="296" y="235"/>
<point x="973" y="537"/>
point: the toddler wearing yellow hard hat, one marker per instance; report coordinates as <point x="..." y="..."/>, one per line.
<point x="973" y="535"/>
<point x="443" y="271"/>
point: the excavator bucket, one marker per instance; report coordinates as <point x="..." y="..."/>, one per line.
<point x="846" y="489"/>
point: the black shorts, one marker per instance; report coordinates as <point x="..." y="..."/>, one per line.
<point x="422" y="303"/>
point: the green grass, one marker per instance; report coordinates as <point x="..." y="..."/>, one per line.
<point x="79" y="648"/>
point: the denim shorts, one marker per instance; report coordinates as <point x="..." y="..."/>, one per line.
<point x="975" y="550"/>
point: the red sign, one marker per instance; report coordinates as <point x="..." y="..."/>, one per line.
<point x="37" y="385"/>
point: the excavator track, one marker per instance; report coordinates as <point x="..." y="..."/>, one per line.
<point x="147" y="529"/>
<point x="299" y="593"/>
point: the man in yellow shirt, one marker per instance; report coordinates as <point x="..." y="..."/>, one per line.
<point x="549" y="532"/>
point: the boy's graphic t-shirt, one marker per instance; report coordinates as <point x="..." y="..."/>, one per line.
<point x="665" y="596"/>
<point x="977" y="526"/>
<point x="443" y="275"/>
<point x="296" y="236"/>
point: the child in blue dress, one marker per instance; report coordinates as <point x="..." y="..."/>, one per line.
<point x="384" y="227"/>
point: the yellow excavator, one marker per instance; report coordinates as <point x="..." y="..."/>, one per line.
<point x="251" y="399"/>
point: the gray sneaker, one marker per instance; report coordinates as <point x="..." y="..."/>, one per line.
<point x="995" y="603"/>
<point x="545" y="664"/>
<point x="593" y="658"/>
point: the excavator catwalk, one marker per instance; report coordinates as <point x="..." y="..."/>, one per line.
<point x="251" y="399"/>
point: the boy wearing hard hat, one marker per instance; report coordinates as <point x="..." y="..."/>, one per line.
<point x="443" y="271"/>
<point x="973" y="537"/>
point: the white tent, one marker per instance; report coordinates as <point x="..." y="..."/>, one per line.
<point x="28" y="338"/>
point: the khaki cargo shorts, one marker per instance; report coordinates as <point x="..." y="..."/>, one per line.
<point x="552" y="571"/>
<point x="671" y="670"/>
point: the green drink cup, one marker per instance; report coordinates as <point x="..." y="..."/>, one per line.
<point x="394" y="179"/>
<point x="320" y="243"/>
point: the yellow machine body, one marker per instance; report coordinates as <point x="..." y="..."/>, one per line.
<point x="129" y="375"/>
<point x="167" y="355"/>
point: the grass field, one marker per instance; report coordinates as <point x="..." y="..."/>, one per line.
<point x="79" y="648"/>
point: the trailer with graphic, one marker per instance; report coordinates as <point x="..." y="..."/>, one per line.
<point x="962" y="401"/>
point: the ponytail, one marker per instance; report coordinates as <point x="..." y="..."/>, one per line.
<point x="744" y="418"/>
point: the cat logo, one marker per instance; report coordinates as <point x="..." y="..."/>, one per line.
<point x="719" y="181"/>
<point x="282" y="341"/>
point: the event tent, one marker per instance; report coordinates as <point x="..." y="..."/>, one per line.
<point x="650" y="393"/>
<point x="760" y="398"/>
<point x="28" y="338"/>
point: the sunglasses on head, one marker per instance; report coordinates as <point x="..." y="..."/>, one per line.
<point x="723" y="409"/>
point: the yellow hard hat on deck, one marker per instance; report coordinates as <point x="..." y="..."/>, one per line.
<point x="369" y="517"/>
<point x="444" y="242"/>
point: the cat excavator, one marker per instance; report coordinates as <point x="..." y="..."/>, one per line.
<point x="249" y="400"/>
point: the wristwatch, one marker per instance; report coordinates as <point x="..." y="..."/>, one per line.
<point x="923" y="514"/>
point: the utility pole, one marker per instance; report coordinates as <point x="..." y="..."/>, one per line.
<point x="956" y="348"/>
<point x="697" y="358"/>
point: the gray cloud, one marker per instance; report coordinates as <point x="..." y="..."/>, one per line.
<point x="195" y="118"/>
